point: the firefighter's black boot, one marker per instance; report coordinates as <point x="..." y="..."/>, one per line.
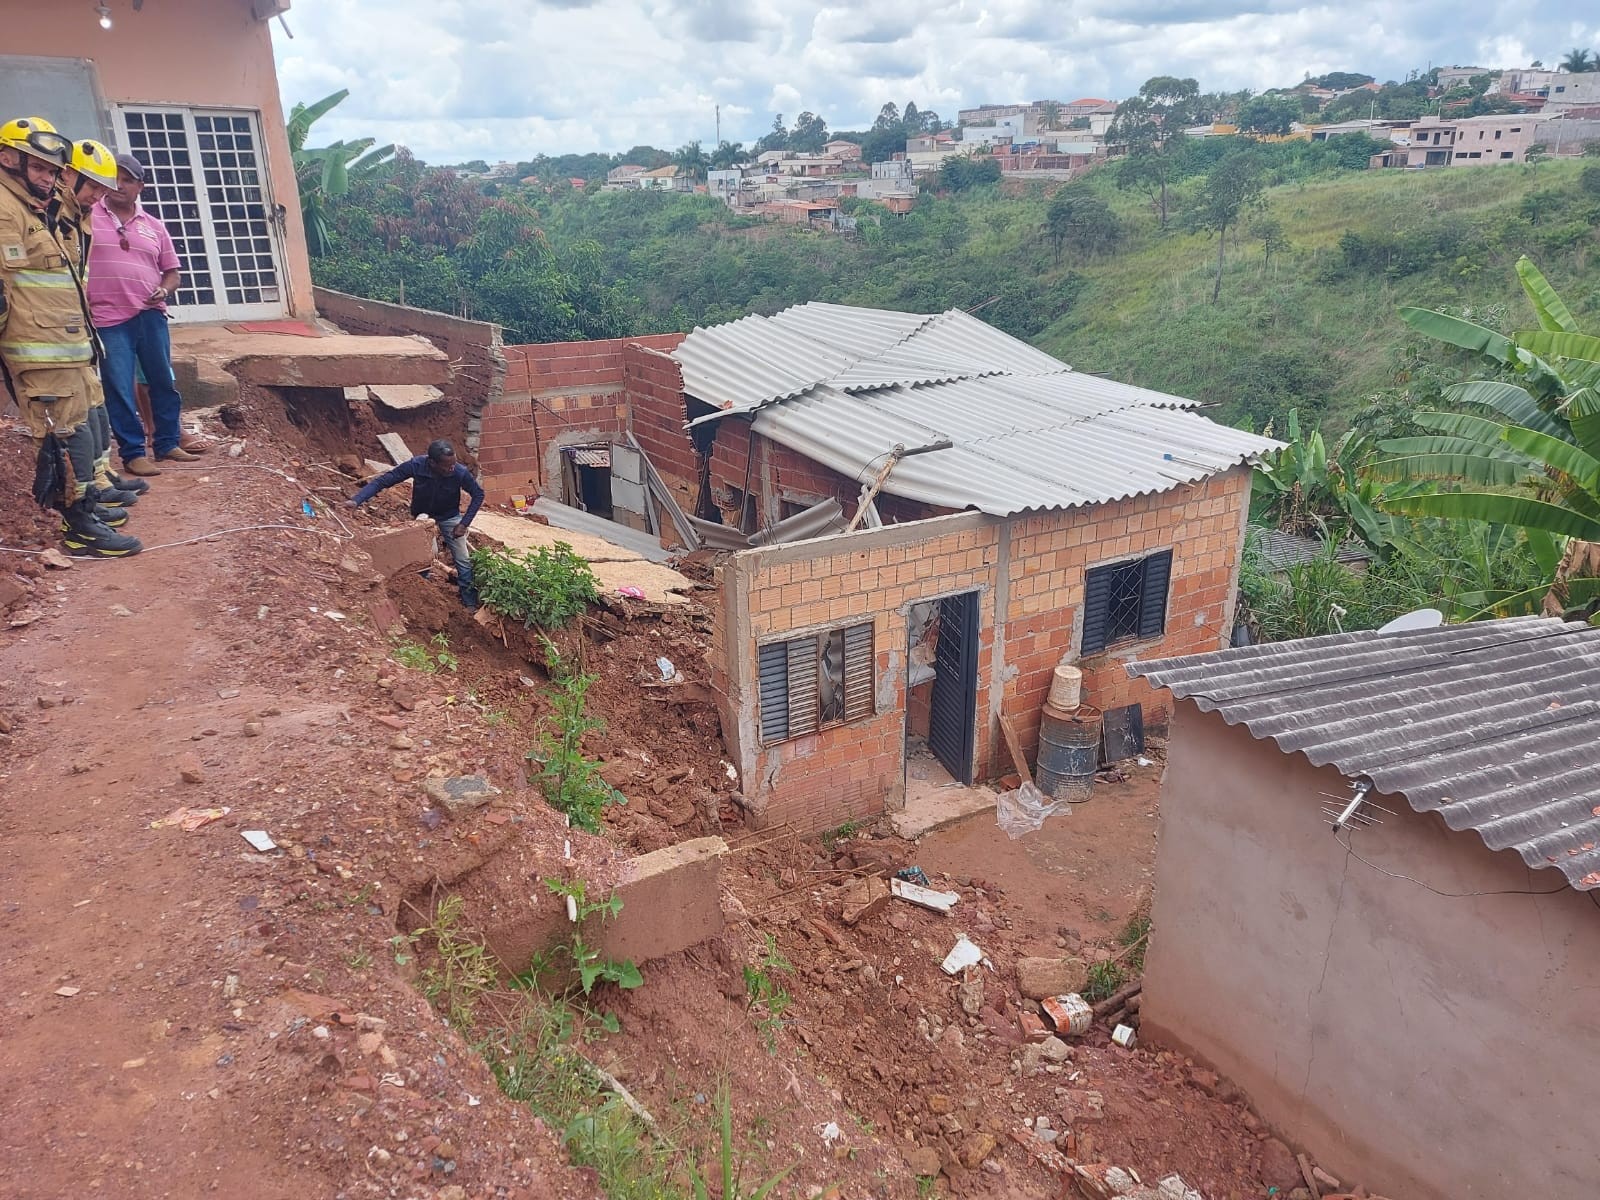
<point x="128" y="483"/>
<point x="88" y="537"/>
<point x="112" y="497"/>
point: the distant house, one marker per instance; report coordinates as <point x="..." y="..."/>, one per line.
<point x="671" y="178"/>
<point x="1451" y="77"/>
<point x="1409" y="996"/>
<point x="627" y="175"/>
<point x="1280" y="550"/>
<point x="842" y="149"/>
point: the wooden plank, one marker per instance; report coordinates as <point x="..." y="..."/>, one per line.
<point x="1305" y="1173"/>
<point x="1009" y="730"/>
<point x="396" y="446"/>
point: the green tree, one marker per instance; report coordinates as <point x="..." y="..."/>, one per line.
<point x="325" y="173"/>
<point x="1080" y="219"/>
<point x="693" y="159"/>
<point x="777" y="138"/>
<point x="1049" y="115"/>
<point x="1268" y="114"/>
<point x="1531" y="447"/>
<point x="809" y="135"/>
<point x="1232" y="188"/>
<point x="1269" y="232"/>
<point x="1579" y="61"/>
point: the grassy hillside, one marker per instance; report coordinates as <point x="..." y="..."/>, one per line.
<point x="1314" y="328"/>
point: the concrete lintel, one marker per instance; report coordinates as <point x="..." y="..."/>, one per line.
<point x="905" y="534"/>
<point x="393" y="550"/>
<point x="671" y="900"/>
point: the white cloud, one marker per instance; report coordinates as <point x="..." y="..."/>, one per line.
<point x="459" y="79"/>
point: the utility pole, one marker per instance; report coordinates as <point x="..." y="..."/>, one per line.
<point x="719" y="124"/>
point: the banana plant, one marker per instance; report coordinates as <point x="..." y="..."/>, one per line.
<point x="1525" y="454"/>
<point x="1304" y="489"/>
<point x="325" y="172"/>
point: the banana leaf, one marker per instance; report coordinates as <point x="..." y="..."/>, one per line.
<point x="1554" y="315"/>
<point x="1510" y="401"/>
<point x="1563" y="456"/>
<point x="1464" y="425"/>
<point x="1560" y="344"/>
<point x="1583" y="415"/>
<point x="1458" y="332"/>
<point x="1499" y="509"/>
<point x="1447" y="458"/>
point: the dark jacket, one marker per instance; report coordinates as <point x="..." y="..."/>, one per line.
<point x="439" y="496"/>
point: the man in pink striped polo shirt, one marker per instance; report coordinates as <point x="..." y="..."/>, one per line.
<point x="133" y="271"/>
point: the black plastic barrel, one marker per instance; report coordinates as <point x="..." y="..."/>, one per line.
<point x="1069" y="752"/>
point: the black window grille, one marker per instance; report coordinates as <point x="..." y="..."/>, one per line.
<point x="1125" y="601"/>
<point x="822" y="679"/>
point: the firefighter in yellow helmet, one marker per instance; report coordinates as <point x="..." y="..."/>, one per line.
<point x="46" y="340"/>
<point x="91" y="173"/>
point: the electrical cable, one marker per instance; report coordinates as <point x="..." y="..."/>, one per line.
<point x="1351" y="850"/>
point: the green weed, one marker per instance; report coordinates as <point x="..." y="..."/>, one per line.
<point x="546" y="587"/>
<point x="414" y="656"/>
<point x="765" y="997"/>
<point x="578" y="967"/>
<point x="1104" y="979"/>
<point x="459" y="971"/>
<point x="731" y="1165"/>
<point x="571" y="783"/>
<point x="1135" y="936"/>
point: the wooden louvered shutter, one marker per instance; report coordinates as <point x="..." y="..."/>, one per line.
<point x="858" y="672"/>
<point x="1153" y="600"/>
<point x="1096" y="608"/>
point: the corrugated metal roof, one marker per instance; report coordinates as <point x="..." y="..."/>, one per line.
<point x="843" y="385"/>
<point x="1493" y="725"/>
<point x="1282" y="550"/>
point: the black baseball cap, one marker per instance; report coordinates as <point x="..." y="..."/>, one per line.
<point x="130" y="164"/>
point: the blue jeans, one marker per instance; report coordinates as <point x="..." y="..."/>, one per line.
<point x="458" y="554"/>
<point x="143" y="340"/>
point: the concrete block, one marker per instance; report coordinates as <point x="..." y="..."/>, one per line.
<point x="671" y="900"/>
<point x="394" y="550"/>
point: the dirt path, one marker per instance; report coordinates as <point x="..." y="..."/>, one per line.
<point x="167" y="998"/>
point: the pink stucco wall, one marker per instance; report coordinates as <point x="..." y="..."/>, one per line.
<point x="188" y="52"/>
<point x="1428" y="1047"/>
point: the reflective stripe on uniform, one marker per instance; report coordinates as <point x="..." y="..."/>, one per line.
<point x="42" y="279"/>
<point x="46" y="352"/>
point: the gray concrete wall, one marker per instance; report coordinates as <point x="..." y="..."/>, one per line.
<point x="1431" y="1048"/>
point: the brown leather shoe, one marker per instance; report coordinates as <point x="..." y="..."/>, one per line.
<point x="179" y="454"/>
<point x="193" y="444"/>
<point x="141" y="466"/>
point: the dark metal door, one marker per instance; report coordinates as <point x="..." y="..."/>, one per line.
<point x="953" y="717"/>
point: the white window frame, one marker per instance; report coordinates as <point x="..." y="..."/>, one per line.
<point x="221" y="310"/>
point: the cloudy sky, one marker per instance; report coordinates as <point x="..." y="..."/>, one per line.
<point x="492" y="79"/>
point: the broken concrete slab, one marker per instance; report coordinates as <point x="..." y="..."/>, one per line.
<point x="405" y="396"/>
<point x="671" y="900"/>
<point x="396" y="447"/>
<point x="940" y="808"/>
<point x="615" y="566"/>
<point x="394" y="550"/>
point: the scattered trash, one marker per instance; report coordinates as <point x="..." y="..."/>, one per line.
<point x="923" y="897"/>
<point x="519" y="502"/>
<point x="631" y="592"/>
<point x="668" y="671"/>
<point x="235" y="450"/>
<point x="190" y="819"/>
<point x="913" y="875"/>
<point x="259" y="840"/>
<point x="1124" y="1036"/>
<point x="68" y="991"/>
<point x="473" y="1101"/>
<point x="1069" y="1014"/>
<point x="1173" y="1187"/>
<point x="733" y="776"/>
<point x="1024" y="810"/>
<point x="829" y="1133"/>
<point x="1146" y="762"/>
<point x="965" y="953"/>
<point x="332" y="615"/>
<point x="305" y="507"/>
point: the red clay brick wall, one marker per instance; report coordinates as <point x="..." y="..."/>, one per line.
<point x="556" y="394"/>
<point x="654" y="386"/>
<point x="856" y="769"/>
<point x="1050" y="554"/>
<point x="852" y="771"/>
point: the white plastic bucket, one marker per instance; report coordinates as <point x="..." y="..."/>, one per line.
<point x="1066" y="688"/>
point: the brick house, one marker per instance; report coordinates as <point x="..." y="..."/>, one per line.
<point x="1034" y="515"/>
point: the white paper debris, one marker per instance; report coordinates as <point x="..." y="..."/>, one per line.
<point x="258" y="839"/>
<point x="963" y="954"/>
<point x="926" y="897"/>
